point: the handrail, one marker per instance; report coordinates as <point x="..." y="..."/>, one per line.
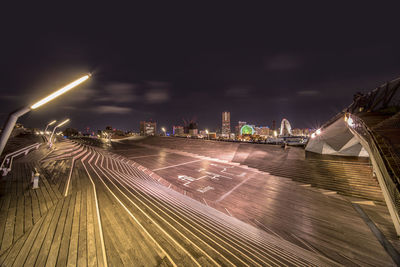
<point x="387" y="177"/>
<point x="357" y="121"/>
<point x="18" y="151"/>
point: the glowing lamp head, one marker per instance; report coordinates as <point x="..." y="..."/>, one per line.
<point x="64" y="122"/>
<point x="60" y="92"/>
<point x="51" y="123"/>
<point x="318" y="132"/>
<point x="350" y="122"/>
<point x="206" y="131"/>
<point x="313" y="135"/>
<point x="163" y="129"/>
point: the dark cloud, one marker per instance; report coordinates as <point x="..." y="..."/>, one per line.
<point x="112" y="110"/>
<point x="282" y="62"/>
<point x="297" y="61"/>
<point x="308" y="92"/>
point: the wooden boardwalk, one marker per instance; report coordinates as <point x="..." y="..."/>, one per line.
<point x="41" y="227"/>
<point x="108" y="210"/>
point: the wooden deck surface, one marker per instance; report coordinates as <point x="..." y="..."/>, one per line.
<point x="108" y="210"/>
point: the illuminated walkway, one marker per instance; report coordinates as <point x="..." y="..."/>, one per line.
<point x="108" y="210"/>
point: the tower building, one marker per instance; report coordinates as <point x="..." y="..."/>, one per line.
<point x="226" y="123"/>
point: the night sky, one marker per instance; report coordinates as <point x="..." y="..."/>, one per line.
<point x="169" y="62"/>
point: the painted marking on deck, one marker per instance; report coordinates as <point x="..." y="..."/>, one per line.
<point x="103" y="248"/>
<point x="306" y="244"/>
<point x="267" y="228"/>
<point x="205" y="202"/>
<point x="228" y="212"/>
<point x="172" y="166"/>
<point x="233" y="189"/>
<point x="391" y="251"/>
<point x="69" y="178"/>
<point x="365" y="202"/>
<point x="205" y="189"/>
<point x="145" y="156"/>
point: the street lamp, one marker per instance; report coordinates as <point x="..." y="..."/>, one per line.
<point x="49" y="124"/>
<point x="163" y="129"/>
<point x="59" y="125"/>
<point x="13" y="117"/>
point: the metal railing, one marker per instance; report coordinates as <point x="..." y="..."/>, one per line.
<point x="6" y="164"/>
<point x="392" y="182"/>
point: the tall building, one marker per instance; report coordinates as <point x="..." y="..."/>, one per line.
<point x="148" y="128"/>
<point x="178" y="130"/>
<point x="264" y="131"/>
<point x="226" y="123"/>
<point x="239" y="126"/>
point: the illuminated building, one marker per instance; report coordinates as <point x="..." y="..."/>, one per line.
<point x="239" y="126"/>
<point x="264" y="131"/>
<point x="226" y="123"/>
<point x="247" y="130"/>
<point x="285" y="129"/>
<point x="178" y="130"/>
<point x="193" y="132"/>
<point x="148" y="128"/>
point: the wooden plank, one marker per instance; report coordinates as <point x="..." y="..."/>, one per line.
<point x="28" y="219"/>
<point x="49" y="189"/>
<point x="36" y="214"/>
<point x="32" y="251"/>
<point x="3" y="214"/>
<point x="10" y="221"/>
<point x="66" y="236"/>
<point x="82" y="244"/>
<point x="56" y="241"/>
<point x="46" y="195"/>
<point x="73" y="244"/>
<point x="19" y="218"/>
<point x="13" y="252"/>
<point x="91" y="239"/>
<point x="47" y="241"/>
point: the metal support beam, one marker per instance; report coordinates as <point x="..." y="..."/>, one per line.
<point x="9" y="126"/>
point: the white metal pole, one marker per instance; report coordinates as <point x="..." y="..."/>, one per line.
<point x="9" y="126"/>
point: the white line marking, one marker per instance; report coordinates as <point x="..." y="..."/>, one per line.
<point x="130" y="214"/>
<point x="172" y="166"/>
<point x="69" y="177"/>
<point x="230" y="191"/>
<point x="228" y="212"/>
<point x="138" y="157"/>
<point x="205" y="201"/>
<point x="307" y="245"/>
<point x="103" y="248"/>
<point x="268" y="229"/>
<point x="364" y="202"/>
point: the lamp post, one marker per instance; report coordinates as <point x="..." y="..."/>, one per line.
<point x="163" y="129"/>
<point x="59" y="125"/>
<point x="13" y="117"/>
<point x="49" y="124"/>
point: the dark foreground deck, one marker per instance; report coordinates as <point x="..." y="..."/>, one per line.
<point x="94" y="207"/>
